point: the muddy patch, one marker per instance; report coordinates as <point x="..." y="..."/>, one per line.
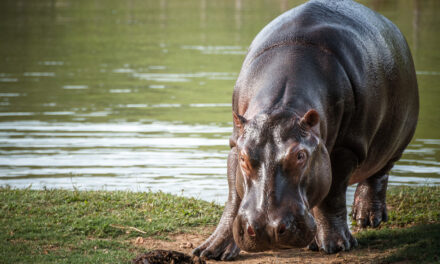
<point x="185" y="243"/>
<point x="166" y="256"/>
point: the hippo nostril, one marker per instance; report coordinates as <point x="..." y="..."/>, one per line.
<point x="250" y="231"/>
<point x="281" y="229"/>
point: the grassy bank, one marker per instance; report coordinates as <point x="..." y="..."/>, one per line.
<point x="58" y="226"/>
<point x="412" y="232"/>
<point x="90" y="226"/>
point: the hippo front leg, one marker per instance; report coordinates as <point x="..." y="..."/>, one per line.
<point x="369" y="206"/>
<point x="221" y="245"/>
<point x="333" y="234"/>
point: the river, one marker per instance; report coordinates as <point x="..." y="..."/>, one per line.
<point x="136" y="95"/>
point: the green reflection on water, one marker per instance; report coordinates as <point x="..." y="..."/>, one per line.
<point x="91" y="55"/>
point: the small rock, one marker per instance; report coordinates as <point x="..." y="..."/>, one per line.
<point x="186" y="245"/>
<point x="139" y="240"/>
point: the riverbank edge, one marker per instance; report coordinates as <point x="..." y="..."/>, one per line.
<point x="53" y="226"/>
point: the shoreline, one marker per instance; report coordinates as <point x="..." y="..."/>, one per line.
<point x="53" y="225"/>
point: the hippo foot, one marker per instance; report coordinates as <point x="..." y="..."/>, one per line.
<point x="369" y="206"/>
<point x="369" y="213"/>
<point x="332" y="241"/>
<point x="218" y="247"/>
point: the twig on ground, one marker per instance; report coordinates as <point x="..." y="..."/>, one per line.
<point x="128" y="227"/>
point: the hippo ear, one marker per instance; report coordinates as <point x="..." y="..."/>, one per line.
<point x="239" y="121"/>
<point x="310" y="119"/>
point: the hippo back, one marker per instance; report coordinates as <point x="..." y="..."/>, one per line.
<point x="379" y="117"/>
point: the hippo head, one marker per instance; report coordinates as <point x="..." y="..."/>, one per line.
<point x="283" y="171"/>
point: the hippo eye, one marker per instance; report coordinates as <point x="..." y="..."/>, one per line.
<point x="245" y="164"/>
<point x="300" y="156"/>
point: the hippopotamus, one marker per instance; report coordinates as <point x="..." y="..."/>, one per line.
<point x="327" y="97"/>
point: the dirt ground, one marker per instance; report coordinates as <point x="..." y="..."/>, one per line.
<point x="187" y="242"/>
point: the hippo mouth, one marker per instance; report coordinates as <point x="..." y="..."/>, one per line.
<point x="257" y="237"/>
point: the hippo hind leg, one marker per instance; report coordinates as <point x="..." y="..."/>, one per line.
<point x="369" y="205"/>
<point x="333" y="234"/>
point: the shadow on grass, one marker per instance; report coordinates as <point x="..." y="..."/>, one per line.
<point x="419" y="243"/>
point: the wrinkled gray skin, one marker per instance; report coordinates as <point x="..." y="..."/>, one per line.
<point x="327" y="97"/>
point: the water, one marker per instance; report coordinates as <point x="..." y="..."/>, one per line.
<point x="136" y="95"/>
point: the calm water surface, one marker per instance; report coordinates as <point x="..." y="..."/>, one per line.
<point x="136" y="95"/>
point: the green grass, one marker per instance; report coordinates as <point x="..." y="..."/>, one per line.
<point x="418" y="210"/>
<point x="59" y="226"/>
<point x="53" y="226"/>
<point x="413" y="205"/>
<point x="419" y="243"/>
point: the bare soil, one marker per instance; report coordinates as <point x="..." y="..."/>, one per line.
<point x="187" y="242"/>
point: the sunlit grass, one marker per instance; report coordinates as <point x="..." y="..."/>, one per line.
<point x="61" y="226"/>
<point x="87" y="226"/>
